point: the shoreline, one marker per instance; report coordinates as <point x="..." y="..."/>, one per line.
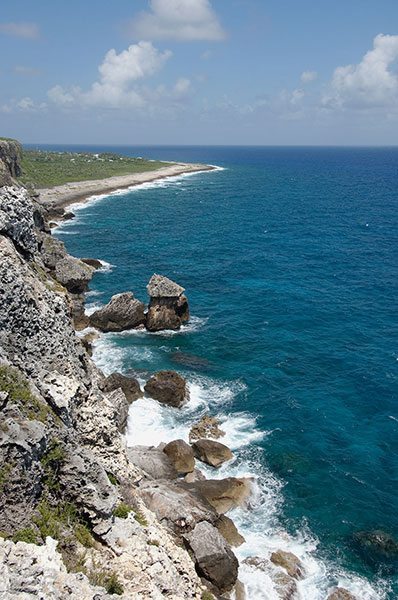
<point x="62" y="196"/>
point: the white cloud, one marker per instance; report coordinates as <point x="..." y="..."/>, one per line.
<point x="29" y="31"/>
<point x="372" y="82"/>
<point x="118" y="74"/>
<point x="182" y="20"/>
<point x="28" y="71"/>
<point x="308" y="76"/>
<point x="28" y="105"/>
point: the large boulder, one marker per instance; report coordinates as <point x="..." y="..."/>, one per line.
<point x="229" y="531"/>
<point x="178" y="508"/>
<point x="207" y="427"/>
<point x="129" y="385"/>
<point x="214" y="559"/>
<point x="288" y="561"/>
<point x="168" y="307"/>
<point x="73" y="274"/>
<point x="223" y="494"/>
<point x="181" y="455"/>
<point x="168" y="387"/>
<point x="121" y="313"/>
<point x="211" y="452"/>
<point x="341" y="594"/>
<point x="52" y="251"/>
<point x="152" y="461"/>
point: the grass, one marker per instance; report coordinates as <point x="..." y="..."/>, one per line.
<point x="107" y="580"/>
<point x="122" y="510"/>
<point x="51" y="462"/>
<point x="47" y="169"/>
<point x="54" y="520"/>
<point x="14" y="383"/>
<point x="207" y="596"/>
<point x="27" y="535"/>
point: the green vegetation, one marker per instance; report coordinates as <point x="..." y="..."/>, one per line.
<point x="27" y="535"/>
<point x="139" y="517"/>
<point x="122" y="510"/>
<point x="4" y="474"/>
<point x="107" y="580"/>
<point x="54" y="520"/>
<point x="14" y="383"/>
<point x="154" y="542"/>
<point x="114" y="480"/>
<point x="207" y="596"/>
<point x="47" y="169"/>
<point x="51" y="462"/>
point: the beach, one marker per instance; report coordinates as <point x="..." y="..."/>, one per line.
<point x="63" y="195"/>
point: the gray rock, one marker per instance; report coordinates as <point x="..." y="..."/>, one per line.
<point x="153" y="461"/>
<point x="121" y="313"/>
<point x="214" y="559"/>
<point x="92" y="262"/>
<point x="73" y="274"/>
<point x="162" y="315"/>
<point x="160" y="286"/>
<point x="129" y="385"/>
<point x="207" y="427"/>
<point x="181" y="456"/>
<point x="341" y="594"/>
<point x="16" y="219"/>
<point x="288" y="561"/>
<point x="52" y="251"/>
<point x="285" y="586"/>
<point x="211" y="452"/>
<point x="168" y="387"/>
<point x="222" y="494"/>
<point x="229" y="531"/>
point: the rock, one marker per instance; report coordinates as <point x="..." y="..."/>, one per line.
<point x="52" y="251"/>
<point x="211" y="452"/>
<point x="377" y="548"/>
<point x="163" y="287"/>
<point x="67" y="216"/>
<point x="168" y="308"/>
<point x="176" y="507"/>
<point x="153" y="461"/>
<point x="285" y="586"/>
<point x="214" y="559"/>
<point x="223" y="494"/>
<point x="196" y="475"/>
<point x="121" y="313"/>
<point x="92" y="262"/>
<point x="87" y="340"/>
<point x="181" y="456"/>
<point x="16" y="219"/>
<point x="207" y="427"/>
<point x="129" y="385"/>
<point x="73" y="274"/>
<point x="122" y="405"/>
<point x="229" y="531"/>
<point x="168" y="387"/>
<point x="10" y="161"/>
<point x="288" y="561"/>
<point x="340" y="594"/>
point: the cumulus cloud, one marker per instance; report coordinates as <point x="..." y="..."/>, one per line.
<point x="308" y="76"/>
<point x="181" y="20"/>
<point x="28" y="105"/>
<point x="29" y="31"/>
<point x="370" y="83"/>
<point x="118" y="74"/>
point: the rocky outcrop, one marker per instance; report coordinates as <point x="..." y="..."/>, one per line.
<point x="129" y="386"/>
<point x="284" y="585"/>
<point x="121" y="313"/>
<point x="168" y="387"/>
<point x="153" y="461"/>
<point x="10" y="161"/>
<point x="229" y="531"/>
<point x="73" y="274"/>
<point x="341" y="594"/>
<point x="289" y="562"/>
<point x="211" y="452"/>
<point x="16" y="219"/>
<point x="181" y="456"/>
<point x="207" y="427"/>
<point x="223" y="494"/>
<point x="168" y="307"/>
<point x="213" y="557"/>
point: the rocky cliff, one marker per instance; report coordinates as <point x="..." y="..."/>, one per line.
<point x="10" y="161"/>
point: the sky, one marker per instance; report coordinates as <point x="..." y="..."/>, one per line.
<point x="255" y="72"/>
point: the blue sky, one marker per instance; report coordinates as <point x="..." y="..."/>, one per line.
<point x="200" y="71"/>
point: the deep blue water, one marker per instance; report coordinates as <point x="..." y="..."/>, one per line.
<point x="291" y="256"/>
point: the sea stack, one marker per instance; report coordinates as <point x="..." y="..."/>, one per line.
<point x="168" y="307"/>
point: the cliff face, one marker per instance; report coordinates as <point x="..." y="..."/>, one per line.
<point x="10" y="161"/>
<point x="64" y="471"/>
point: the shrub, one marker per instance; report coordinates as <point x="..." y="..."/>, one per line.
<point x="107" y="580"/>
<point x="83" y="535"/>
<point x="122" y="511"/>
<point x="17" y="387"/>
<point x="27" y="535"/>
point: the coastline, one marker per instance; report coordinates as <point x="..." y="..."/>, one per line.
<point x="64" y="195"/>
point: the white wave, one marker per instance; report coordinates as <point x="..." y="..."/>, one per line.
<point x="106" y="267"/>
<point x="93" y="293"/>
<point x="110" y="357"/>
<point x="91" y="307"/>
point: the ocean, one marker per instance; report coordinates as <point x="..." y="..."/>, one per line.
<point x="289" y="260"/>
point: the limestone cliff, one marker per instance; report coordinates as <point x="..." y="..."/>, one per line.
<point x="10" y="161"/>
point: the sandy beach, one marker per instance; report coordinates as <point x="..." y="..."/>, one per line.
<point x="63" y="195"/>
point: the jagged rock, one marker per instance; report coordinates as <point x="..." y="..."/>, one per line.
<point x="207" y="427"/>
<point x="121" y="405"/>
<point x="229" y="531"/>
<point x="168" y="308"/>
<point x="87" y="340"/>
<point x="16" y="219"/>
<point x="181" y="456"/>
<point x="196" y="475"/>
<point x="176" y="507"/>
<point x="285" y="586"/>
<point x="288" y="561"/>
<point x="73" y="274"/>
<point x="92" y="262"/>
<point x="52" y="251"/>
<point x="341" y="594"/>
<point x="153" y="461"/>
<point x="214" y="559"/>
<point x="122" y="312"/>
<point x="67" y="216"/>
<point x="168" y="387"/>
<point x="211" y="452"/>
<point x="163" y="287"/>
<point x="10" y="161"/>
<point x="30" y="571"/>
<point x="129" y="385"/>
<point x="223" y="494"/>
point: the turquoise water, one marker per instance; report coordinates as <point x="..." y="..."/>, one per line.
<point x="289" y="259"/>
